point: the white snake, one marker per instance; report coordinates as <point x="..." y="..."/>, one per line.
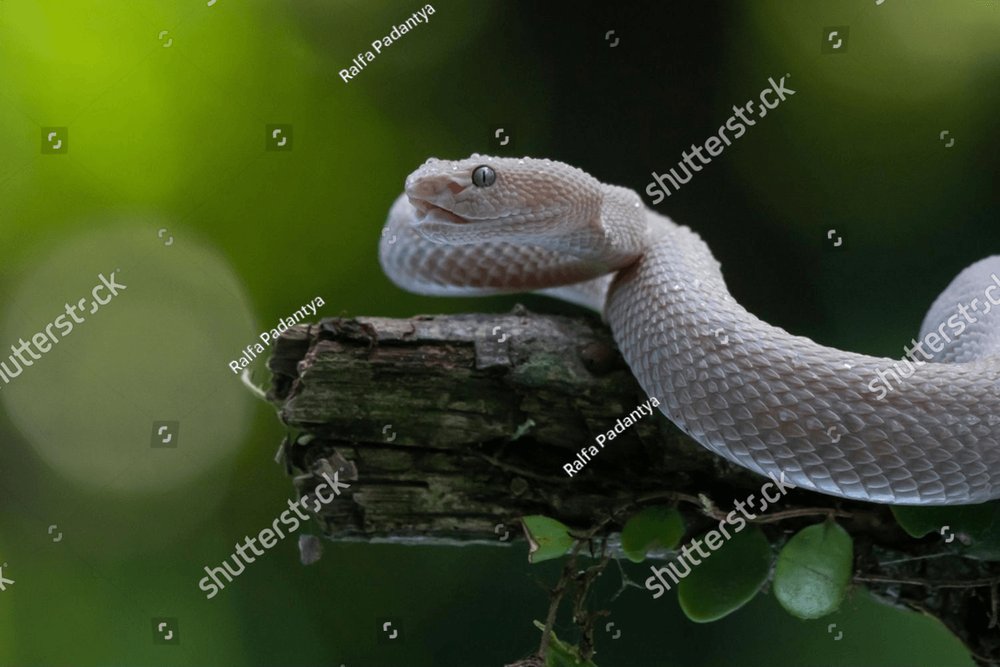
<point x="746" y="390"/>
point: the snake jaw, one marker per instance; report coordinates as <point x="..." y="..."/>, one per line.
<point x="428" y="212"/>
<point x="435" y="196"/>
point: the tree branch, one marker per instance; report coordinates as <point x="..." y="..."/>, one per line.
<point x="452" y="427"/>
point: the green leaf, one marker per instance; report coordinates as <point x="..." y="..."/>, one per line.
<point x="975" y="529"/>
<point x="547" y="538"/>
<point x="728" y="579"/>
<point x="561" y="654"/>
<point x="920" y="521"/>
<point x="651" y="526"/>
<point x="814" y="569"/>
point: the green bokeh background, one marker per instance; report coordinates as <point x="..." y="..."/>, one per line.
<point x="173" y="138"/>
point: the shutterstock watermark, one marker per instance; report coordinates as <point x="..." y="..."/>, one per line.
<point x="956" y="324"/>
<point x="715" y="144"/>
<point x="44" y="340"/>
<point x="714" y="538"/>
<point x="268" y="537"/>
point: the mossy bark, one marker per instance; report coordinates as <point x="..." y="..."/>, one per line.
<point x="452" y="427"/>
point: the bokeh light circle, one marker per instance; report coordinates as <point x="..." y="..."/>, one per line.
<point x="91" y="406"/>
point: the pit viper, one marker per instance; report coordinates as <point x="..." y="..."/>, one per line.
<point x="753" y="393"/>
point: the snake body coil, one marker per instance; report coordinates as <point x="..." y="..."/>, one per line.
<point x="751" y="392"/>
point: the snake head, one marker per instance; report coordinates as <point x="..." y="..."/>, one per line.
<point x="483" y="198"/>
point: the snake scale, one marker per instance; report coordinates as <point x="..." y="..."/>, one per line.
<point x="748" y="391"/>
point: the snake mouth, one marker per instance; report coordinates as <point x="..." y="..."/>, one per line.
<point x="428" y="212"/>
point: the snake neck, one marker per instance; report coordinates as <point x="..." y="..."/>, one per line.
<point x="772" y="401"/>
<point x="626" y="228"/>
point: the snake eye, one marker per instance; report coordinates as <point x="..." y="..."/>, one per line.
<point x="483" y="177"/>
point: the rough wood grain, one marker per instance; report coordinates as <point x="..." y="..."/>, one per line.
<point x="451" y="427"/>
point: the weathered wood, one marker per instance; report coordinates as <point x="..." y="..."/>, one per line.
<point x="451" y="427"/>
